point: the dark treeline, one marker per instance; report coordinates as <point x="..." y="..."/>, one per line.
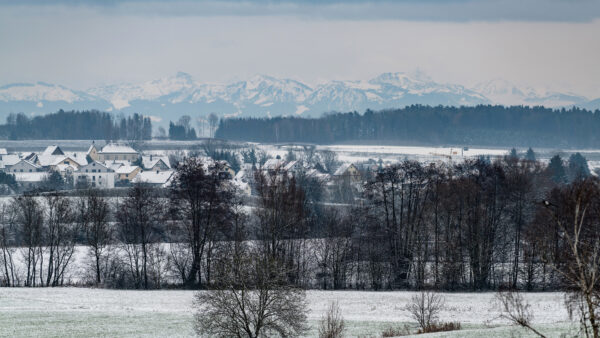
<point x="80" y="125"/>
<point x="475" y="225"/>
<point x="479" y="125"/>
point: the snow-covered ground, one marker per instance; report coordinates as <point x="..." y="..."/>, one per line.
<point x="70" y="312"/>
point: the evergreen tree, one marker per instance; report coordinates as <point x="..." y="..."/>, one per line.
<point x="290" y="155"/>
<point x="578" y="167"/>
<point x="530" y="155"/>
<point x="556" y="169"/>
<point x="513" y="154"/>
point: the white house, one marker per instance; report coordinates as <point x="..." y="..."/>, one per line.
<point x="23" y="166"/>
<point x="95" y="174"/>
<point x="154" y="178"/>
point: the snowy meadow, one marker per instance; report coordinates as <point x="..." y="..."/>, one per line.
<point x="76" y="312"/>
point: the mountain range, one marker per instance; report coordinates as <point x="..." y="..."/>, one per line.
<point x="171" y="97"/>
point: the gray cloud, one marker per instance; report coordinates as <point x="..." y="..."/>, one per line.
<point x="415" y="10"/>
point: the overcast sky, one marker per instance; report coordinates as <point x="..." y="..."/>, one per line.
<point x="551" y="43"/>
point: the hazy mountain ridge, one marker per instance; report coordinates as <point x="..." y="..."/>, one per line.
<point x="171" y="97"/>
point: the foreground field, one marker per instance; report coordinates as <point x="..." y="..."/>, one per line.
<point x="76" y="312"/>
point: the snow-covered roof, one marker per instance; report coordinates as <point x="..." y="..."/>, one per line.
<point x="290" y="165"/>
<point x="272" y="164"/>
<point x="48" y="159"/>
<point x="78" y="156"/>
<point x="92" y="146"/>
<point x="150" y="161"/>
<point x="342" y="169"/>
<point x="153" y="177"/>
<point x="30" y="177"/>
<point x="3" y="151"/>
<point x="114" y="148"/>
<point x="8" y="160"/>
<point x="115" y="164"/>
<point x="126" y="169"/>
<point x="53" y="150"/>
<point x="91" y="164"/>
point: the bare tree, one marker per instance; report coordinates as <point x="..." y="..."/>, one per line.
<point x="213" y="122"/>
<point x="200" y="202"/>
<point x="7" y="235"/>
<point x="252" y="299"/>
<point x="29" y="219"/>
<point x="425" y="308"/>
<point x="568" y="234"/>
<point x="329" y="160"/>
<point x="516" y="310"/>
<point x="138" y="216"/>
<point x="59" y="237"/>
<point x="332" y="324"/>
<point x="93" y="216"/>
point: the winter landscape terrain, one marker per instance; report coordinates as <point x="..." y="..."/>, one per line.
<point x="75" y="312"/>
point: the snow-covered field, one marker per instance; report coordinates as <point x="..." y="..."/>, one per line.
<point x="76" y="312"/>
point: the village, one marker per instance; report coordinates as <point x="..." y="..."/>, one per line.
<point x="118" y="165"/>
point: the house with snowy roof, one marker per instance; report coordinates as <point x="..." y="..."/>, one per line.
<point x="160" y="179"/>
<point x="94" y="174"/>
<point x="127" y="172"/>
<point x="348" y="170"/>
<point x="24" y="166"/>
<point x="6" y="161"/>
<point x="155" y="163"/>
<point x="113" y="152"/>
<point x="55" y="159"/>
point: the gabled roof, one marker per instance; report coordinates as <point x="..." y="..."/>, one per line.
<point x="114" y="148"/>
<point x="3" y="151"/>
<point x="30" y="163"/>
<point x="273" y="164"/>
<point x="126" y="169"/>
<point x="92" y="146"/>
<point x="150" y="161"/>
<point x="8" y="160"/>
<point x="91" y="164"/>
<point x="153" y="177"/>
<point x="343" y="168"/>
<point x="290" y="165"/>
<point x="53" y="150"/>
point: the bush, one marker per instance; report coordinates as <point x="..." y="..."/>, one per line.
<point x="395" y="332"/>
<point x="332" y="324"/>
<point x="442" y="327"/>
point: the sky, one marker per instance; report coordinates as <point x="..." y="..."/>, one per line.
<point x="551" y="44"/>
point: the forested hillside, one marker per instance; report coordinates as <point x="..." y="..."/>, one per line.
<point x="76" y="125"/>
<point x="479" y="125"/>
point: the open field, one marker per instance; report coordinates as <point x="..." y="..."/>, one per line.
<point x="71" y="312"/>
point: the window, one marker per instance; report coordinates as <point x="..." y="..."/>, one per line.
<point x="30" y="170"/>
<point x="21" y="170"/>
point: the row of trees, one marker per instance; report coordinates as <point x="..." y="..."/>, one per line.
<point x="183" y="130"/>
<point x="480" y="125"/>
<point x="473" y="225"/>
<point x="77" y="125"/>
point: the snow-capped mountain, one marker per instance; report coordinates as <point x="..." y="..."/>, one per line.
<point x="505" y="92"/>
<point x="168" y="98"/>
